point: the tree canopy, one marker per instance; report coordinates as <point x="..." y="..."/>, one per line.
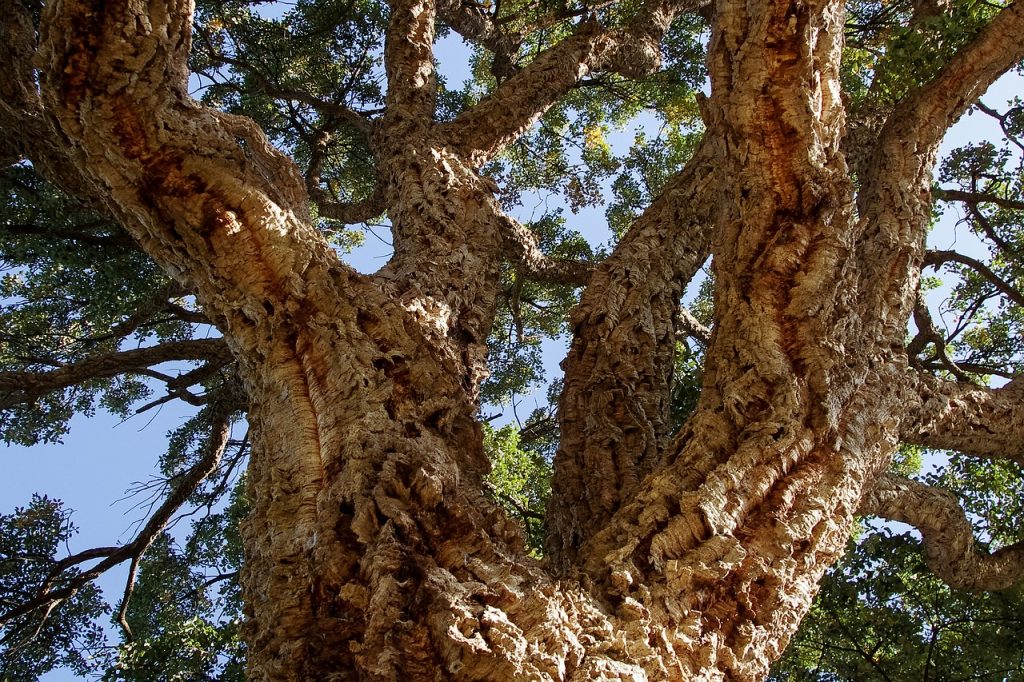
<point x="125" y="288"/>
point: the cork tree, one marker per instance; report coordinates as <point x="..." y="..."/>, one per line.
<point x="708" y="463"/>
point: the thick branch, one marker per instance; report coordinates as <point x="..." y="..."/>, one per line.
<point x="520" y="245"/>
<point x="203" y="192"/>
<point x="22" y="124"/>
<point x="895" y="202"/>
<point x="950" y="548"/>
<point x="689" y="325"/>
<point x="476" y="26"/>
<point x="613" y="413"/>
<point x="484" y="130"/>
<point x="975" y="420"/>
<point x="938" y="105"/>
<point x="409" y="61"/>
<point x="22" y="387"/>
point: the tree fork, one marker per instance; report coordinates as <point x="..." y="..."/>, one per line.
<point x="372" y="551"/>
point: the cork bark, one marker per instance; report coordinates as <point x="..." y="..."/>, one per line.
<point x="372" y="552"/>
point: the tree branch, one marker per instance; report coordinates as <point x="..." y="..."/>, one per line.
<point x="895" y="201"/>
<point x="145" y="311"/>
<point x="927" y="333"/>
<point x="350" y="213"/>
<point x="937" y="258"/>
<point x="117" y="240"/>
<point x="409" y="61"/>
<point x="520" y="245"/>
<point x="478" y="27"/>
<point x="22" y="387"/>
<point x="689" y="325"/>
<point x="22" y="123"/>
<point x="484" y="130"/>
<point x="975" y="198"/>
<point x="352" y="118"/>
<point x="974" y="420"/>
<point x="203" y="192"/>
<point x="613" y="412"/>
<point x="950" y="548"/>
<point x="49" y="596"/>
<point x="937" y="105"/>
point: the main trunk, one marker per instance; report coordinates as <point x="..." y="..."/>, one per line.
<point x="372" y="552"/>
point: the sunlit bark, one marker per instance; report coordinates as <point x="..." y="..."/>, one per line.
<point x="950" y="547"/>
<point x="372" y="551"/>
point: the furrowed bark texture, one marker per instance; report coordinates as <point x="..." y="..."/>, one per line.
<point x="372" y="552"/>
<point x="613" y="415"/>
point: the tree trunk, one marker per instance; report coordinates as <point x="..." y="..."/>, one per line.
<point x="372" y="551"/>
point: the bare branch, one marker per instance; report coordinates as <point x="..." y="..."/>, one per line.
<point x="950" y="548"/>
<point x="928" y="334"/>
<point x="974" y="420"/>
<point x="160" y="300"/>
<point x="49" y="596"/>
<point x="116" y="240"/>
<point x="21" y="387"/>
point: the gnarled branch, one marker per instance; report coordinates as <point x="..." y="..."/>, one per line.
<point x="895" y="202"/>
<point x="974" y="420"/>
<point x="613" y="412"/>
<point x="408" y="61"/>
<point x="484" y="130"/>
<point x="950" y="548"/>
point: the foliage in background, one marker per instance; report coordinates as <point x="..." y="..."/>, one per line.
<point x="31" y="543"/>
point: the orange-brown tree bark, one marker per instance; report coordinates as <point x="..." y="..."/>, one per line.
<point x="372" y="549"/>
